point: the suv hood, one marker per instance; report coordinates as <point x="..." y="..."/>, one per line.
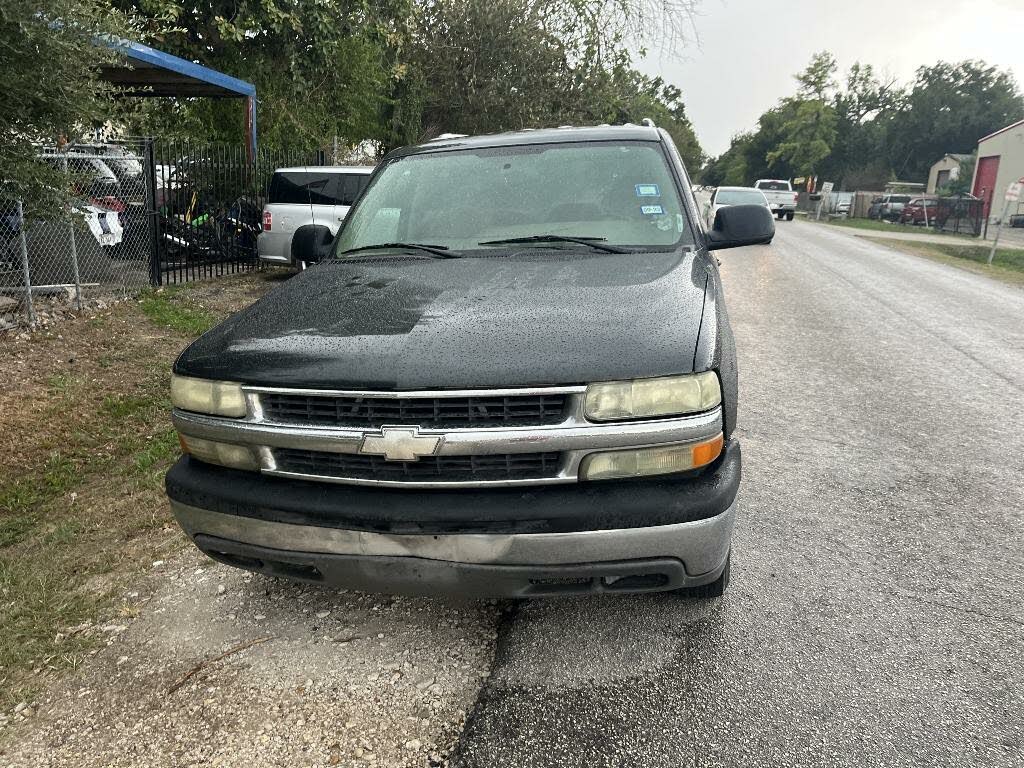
<point x="535" y="317"/>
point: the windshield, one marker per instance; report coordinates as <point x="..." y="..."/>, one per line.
<point x="774" y="186"/>
<point x="739" y="197"/>
<point x="124" y="165"/>
<point x="620" y="193"/>
<point x="898" y="199"/>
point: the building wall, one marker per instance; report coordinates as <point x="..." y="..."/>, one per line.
<point x="950" y="164"/>
<point x="1008" y="145"/>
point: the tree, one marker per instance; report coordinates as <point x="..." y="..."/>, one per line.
<point x="949" y="108"/>
<point x="808" y="132"/>
<point x="51" y="86"/>
<point x="321" y="69"/>
<point x="398" y="70"/>
<point x="817" y="81"/>
<point x="858" y="157"/>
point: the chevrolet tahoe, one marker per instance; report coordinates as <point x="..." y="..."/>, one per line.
<point x="510" y="373"/>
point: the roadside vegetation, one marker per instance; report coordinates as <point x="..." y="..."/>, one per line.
<point x="1007" y="265"/>
<point x="341" y="75"/>
<point x="885" y="226"/>
<point x="865" y="129"/>
<point x="86" y="437"/>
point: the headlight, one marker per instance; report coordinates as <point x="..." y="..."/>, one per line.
<point x="644" y="398"/>
<point x="224" y="454"/>
<point x="641" y="462"/>
<point x="218" y="398"/>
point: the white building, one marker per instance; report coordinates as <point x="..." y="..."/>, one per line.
<point x="1000" y="162"/>
<point x="944" y="171"/>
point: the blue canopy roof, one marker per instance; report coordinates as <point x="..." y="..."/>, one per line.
<point x="147" y="71"/>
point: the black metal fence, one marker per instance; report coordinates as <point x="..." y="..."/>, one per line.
<point x="208" y="200"/>
<point x="960" y="214"/>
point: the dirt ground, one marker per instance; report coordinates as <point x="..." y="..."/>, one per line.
<point x="319" y="678"/>
<point x="123" y="646"/>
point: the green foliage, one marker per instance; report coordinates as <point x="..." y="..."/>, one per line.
<point x="806" y="138"/>
<point x="961" y="185"/>
<point x="50" y="89"/>
<point x="321" y="69"/>
<point x="949" y="108"/>
<point x="171" y="309"/>
<point x="867" y="132"/>
<point x="401" y="71"/>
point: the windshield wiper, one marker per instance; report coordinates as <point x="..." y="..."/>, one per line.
<point x="593" y="242"/>
<point x="439" y="251"/>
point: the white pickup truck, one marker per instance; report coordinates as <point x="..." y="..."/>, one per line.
<point x="781" y="197"/>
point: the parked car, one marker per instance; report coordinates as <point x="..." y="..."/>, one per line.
<point x="311" y="195"/>
<point x="780" y="195"/>
<point x="511" y="373"/>
<point x="90" y="177"/>
<point x="725" y="196"/>
<point x="914" y="212"/>
<point x="887" y="207"/>
<point x="123" y="163"/>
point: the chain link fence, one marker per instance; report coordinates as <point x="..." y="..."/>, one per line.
<point x="140" y="213"/>
<point x="94" y="249"/>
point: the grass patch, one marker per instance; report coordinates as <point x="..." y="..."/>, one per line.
<point x="173" y="308"/>
<point x="86" y="436"/>
<point x="884" y="226"/>
<point x="1007" y="266"/>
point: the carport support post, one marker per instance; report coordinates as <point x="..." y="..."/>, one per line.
<point x="152" y="215"/>
<point x="24" y="265"/>
<point x="999" y="228"/>
<point x="74" y="246"/>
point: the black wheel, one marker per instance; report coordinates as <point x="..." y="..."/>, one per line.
<point x="780" y="215"/>
<point x="715" y="589"/>
<point x="789" y="216"/>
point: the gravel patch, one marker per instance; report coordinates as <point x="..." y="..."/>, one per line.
<point x="226" y="668"/>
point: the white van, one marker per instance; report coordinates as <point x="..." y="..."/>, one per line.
<point x="309" y="195"/>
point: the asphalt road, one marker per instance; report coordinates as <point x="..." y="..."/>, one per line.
<point x="876" y="612"/>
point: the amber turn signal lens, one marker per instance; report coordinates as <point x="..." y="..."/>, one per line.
<point x="642" y="462"/>
<point x="706" y="452"/>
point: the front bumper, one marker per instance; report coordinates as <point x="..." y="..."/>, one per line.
<point x="470" y="565"/>
<point x="610" y="536"/>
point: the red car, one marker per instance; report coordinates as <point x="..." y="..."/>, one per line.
<point x="914" y="211"/>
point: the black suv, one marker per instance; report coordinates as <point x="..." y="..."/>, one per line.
<point x="510" y="374"/>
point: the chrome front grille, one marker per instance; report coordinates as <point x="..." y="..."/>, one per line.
<point x="465" y="438"/>
<point x="441" y="412"/>
<point x="430" y="469"/>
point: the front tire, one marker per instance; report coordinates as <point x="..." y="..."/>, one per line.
<point x="789" y="216"/>
<point x="715" y="589"/>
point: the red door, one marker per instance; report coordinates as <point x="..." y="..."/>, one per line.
<point x="985" y="180"/>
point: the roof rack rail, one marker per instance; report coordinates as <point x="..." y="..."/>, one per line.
<point x="648" y="122"/>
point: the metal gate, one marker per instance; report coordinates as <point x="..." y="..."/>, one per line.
<point x="207" y="201"/>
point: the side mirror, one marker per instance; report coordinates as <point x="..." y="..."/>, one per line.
<point x="739" y="225"/>
<point x="311" y="243"/>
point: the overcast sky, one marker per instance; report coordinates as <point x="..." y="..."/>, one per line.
<point x="750" y="49"/>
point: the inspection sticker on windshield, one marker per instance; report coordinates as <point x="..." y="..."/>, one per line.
<point x="647" y="190"/>
<point x="651" y="210"/>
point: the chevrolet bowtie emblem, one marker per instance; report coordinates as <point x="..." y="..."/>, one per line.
<point x="400" y="444"/>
